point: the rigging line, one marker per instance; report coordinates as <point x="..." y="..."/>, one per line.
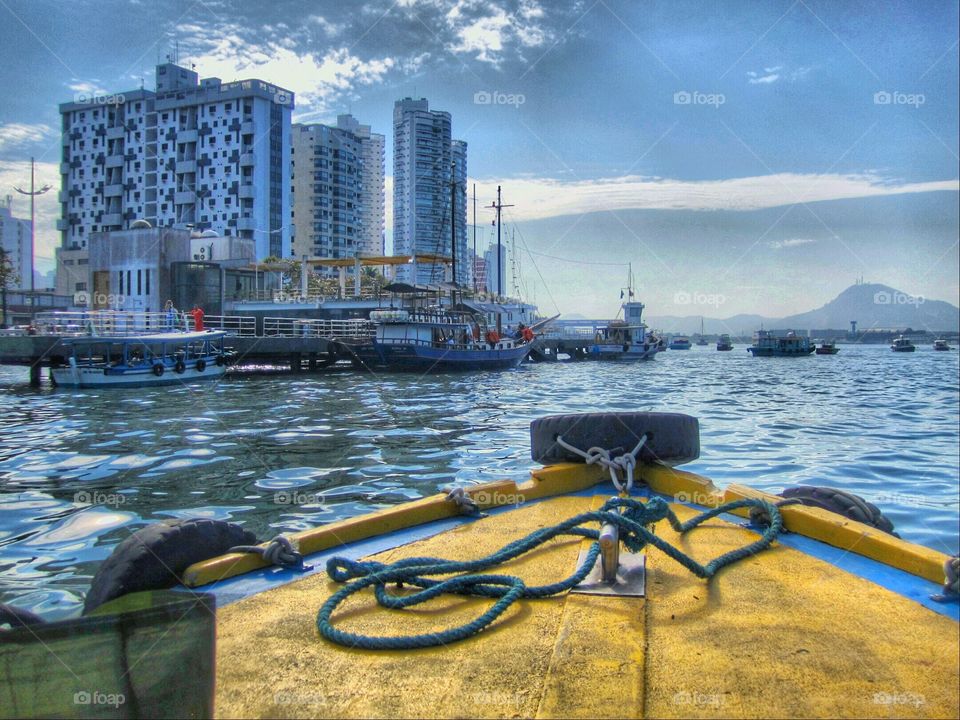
<point x="535" y="267"/>
<point x="578" y="262"/>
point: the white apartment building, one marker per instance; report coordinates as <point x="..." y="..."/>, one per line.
<point x="372" y="199"/>
<point x="15" y="240"/>
<point x="198" y="154"/>
<point x="424" y="159"/>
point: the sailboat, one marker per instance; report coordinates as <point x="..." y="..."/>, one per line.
<point x="701" y="340"/>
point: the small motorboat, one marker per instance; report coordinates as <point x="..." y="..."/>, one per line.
<point x="940" y="344"/>
<point x="767" y="343"/>
<point x="680" y="342"/>
<point x="724" y="343"/>
<point x="827" y="347"/>
<point x="903" y="344"/>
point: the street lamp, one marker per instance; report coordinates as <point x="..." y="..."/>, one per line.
<point x="33" y="221"/>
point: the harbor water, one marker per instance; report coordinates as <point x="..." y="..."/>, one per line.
<point x="80" y="470"/>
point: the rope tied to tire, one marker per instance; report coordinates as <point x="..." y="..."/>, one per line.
<point x="630" y="515"/>
<point x="951" y="582"/>
<point x="465" y="504"/>
<point x="620" y="466"/>
<point x="279" y="551"/>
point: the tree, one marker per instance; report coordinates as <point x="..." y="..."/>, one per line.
<point x="8" y="279"/>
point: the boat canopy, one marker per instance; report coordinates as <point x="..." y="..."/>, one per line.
<point x="152" y="339"/>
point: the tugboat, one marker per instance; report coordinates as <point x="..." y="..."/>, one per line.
<point x="724" y="343"/>
<point x="940" y="344"/>
<point x="827" y="347"/>
<point x="680" y="342"/>
<point x="625" y="339"/>
<point x="767" y="344"/>
<point x="137" y="361"/>
<point x="903" y="344"/>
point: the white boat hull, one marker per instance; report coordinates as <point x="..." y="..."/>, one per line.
<point x="81" y="377"/>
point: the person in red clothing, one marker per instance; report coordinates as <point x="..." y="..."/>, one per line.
<point x="527" y="334"/>
<point x="197" y="313"/>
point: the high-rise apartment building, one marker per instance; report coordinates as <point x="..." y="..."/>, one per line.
<point x="194" y="153"/>
<point x="372" y="199"/>
<point x="425" y="160"/>
<point x="15" y="241"/>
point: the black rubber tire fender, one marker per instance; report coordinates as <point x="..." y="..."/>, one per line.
<point x="842" y="503"/>
<point x="180" y="366"/>
<point x="672" y="438"/>
<point x="17" y="617"/>
<point x="221" y="361"/>
<point x="201" y="365"/>
<point x="158" y="369"/>
<point x="154" y="557"/>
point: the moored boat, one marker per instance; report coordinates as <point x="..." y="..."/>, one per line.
<point x="142" y="360"/>
<point x="679" y="342"/>
<point x="625" y="339"/>
<point x="767" y="343"/>
<point x="941" y="344"/>
<point x="724" y="343"/>
<point x="903" y="344"/>
<point x="827" y="347"/>
<point x="589" y="586"/>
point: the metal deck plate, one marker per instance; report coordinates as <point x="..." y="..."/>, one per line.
<point x="631" y="576"/>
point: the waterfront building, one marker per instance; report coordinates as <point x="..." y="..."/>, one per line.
<point x="191" y="154"/>
<point x="490" y="262"/>
<point x="15" y="241"/>
<point x="372" y="197"/>
<point x="425" y="160"/>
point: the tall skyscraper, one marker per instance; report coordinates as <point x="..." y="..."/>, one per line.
<point x="15" y="241"/>
<point x="425" y="159"/>
<point x="372" y="200"/>
<point x="193" y="153"/>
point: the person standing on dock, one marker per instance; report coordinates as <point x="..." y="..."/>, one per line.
<point x="197" y="314"/>
<point x="172" y="315"/>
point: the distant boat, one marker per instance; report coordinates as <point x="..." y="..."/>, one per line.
<point x="827" y="347"/>
<point x="680" y="342"/>
<point x="142" y="360"/>
<point x="701" y="340"/>
<point x="766" y="344"/>
<point x="903" y="344"/>
<point x="940" y="344"/>
<point x="724" y="343"/>
<point x="625" y="339"/>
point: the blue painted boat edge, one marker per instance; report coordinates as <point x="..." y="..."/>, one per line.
<point x="897" y="581"/>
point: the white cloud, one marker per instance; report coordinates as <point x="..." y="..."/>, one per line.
<point x="485" y="29"/>
<point x="17" y="134"/>
<point x="538" y="198"/>
<point x="329" y="29"/>
<point x="764" y="80"/>
<point x="770" y="75"/>
<point x="789" y="243"/>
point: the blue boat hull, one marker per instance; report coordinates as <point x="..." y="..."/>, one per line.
<point x="425" y="358"/>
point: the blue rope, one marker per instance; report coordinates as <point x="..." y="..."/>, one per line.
<point x="630" y="515"/>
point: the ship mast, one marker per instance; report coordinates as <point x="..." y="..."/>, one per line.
<point x="498" y="206"/>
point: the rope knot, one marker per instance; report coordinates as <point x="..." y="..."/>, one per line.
<point x="279" y="551"/>
<point x="465" y="504"/>
<point x="951" y="581"/>
<point x="621" y="466"/>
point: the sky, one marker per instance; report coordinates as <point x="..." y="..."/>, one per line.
<point x="762" y="154"/>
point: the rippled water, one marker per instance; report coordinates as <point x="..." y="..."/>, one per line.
<point x="79" y="470"/>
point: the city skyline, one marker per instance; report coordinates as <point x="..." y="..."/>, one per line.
<point x="778" y="141"/>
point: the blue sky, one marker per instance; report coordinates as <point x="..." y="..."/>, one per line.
<point x="767" y="153"/>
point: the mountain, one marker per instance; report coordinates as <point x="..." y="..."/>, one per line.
<point x="872" y="305"/>
<point x="880" y="306"/>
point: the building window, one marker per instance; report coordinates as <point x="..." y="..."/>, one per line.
<point x="139" y="282"/>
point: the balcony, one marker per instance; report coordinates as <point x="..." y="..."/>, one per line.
<point x="111" y="219"/>
<point x="184" y="197"/>
<point x="64" y="168"/>
<point x="115" y="133"/>
<point x="65" y="139"/>
<point x="63" y="224"/>
<point x="247" y="191"/>
<point x="99" y="160"/>
<point x="100" y="131"/>
<point x="114" y="161"/>
<point x="113" y="190"/>
<point x="63" y="196"/>
<point x="246" y="223"/>
<point x="186" y="166"/>
<point x="187" y="136"/>
<point x="246" y="128"/>
<point x="246" y="159"/>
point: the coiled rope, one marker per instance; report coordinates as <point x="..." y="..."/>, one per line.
<point x="630" y="515"/>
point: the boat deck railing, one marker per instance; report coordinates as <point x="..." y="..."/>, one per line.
<point x="121" y="324"/>
<point x="316" y="328"/>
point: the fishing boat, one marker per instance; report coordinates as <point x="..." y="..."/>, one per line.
<point x="701" y="340"/>
<point x="767" y="343"/>
<point x="903" y="344"/>
<point x="625" y="339"/>
<point x="436" y="339"/>
<point x="609" y="583"/>
<point x="679" y="342"/>
<point x="724" y="343"/>
<point x="142" y="360"/>
<point x="827" y="347"/>
<point x="940" y="344"/>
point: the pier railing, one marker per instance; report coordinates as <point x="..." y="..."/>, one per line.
<point x="121" y="324"/>
<point x="316" y="328"/>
